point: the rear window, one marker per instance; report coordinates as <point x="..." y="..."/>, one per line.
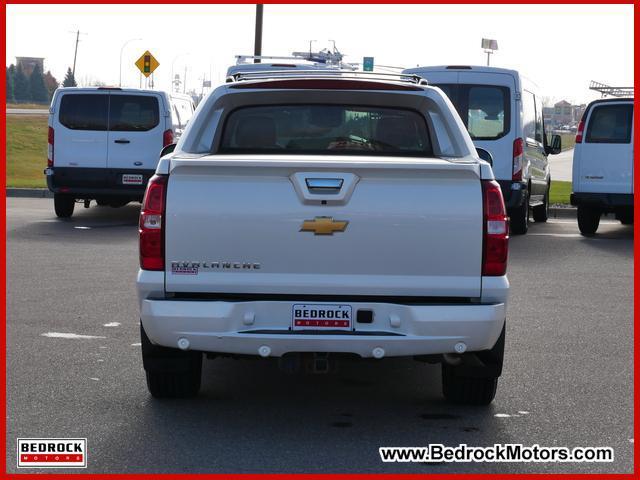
<point x="133" y="113"/>
<point x="84" y="111"/>
<point x="326" y="129"/>
<point x="610" y="124"/>
<point x="484" y="109"/>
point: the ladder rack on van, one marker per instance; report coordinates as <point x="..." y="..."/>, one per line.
<point x="607" y="90"/>
<point x="324" y="74"/>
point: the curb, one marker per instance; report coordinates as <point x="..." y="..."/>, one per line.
<point x="562" y="212"/>
<point x="29" y="192"/>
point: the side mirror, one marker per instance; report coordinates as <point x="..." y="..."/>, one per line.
<point x="485" y="155"/>
<point x="556" y="145"/>
<point x="167" y="150"/>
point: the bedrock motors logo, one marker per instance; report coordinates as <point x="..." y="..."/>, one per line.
<point x="52" y="453"/>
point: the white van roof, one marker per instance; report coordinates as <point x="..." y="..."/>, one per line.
<point x="458" y="68"/>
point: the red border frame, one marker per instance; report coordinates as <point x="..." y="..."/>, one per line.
<point x="3" y="264"/>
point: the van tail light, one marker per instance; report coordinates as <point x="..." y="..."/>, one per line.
<point x="167" y="138"/>
<point x="151" y="227"/>
<point x="518" y="158"/>
<point x="51" y="139"/>
<point x="580" y="132"/>
<point x="495" y="230"/>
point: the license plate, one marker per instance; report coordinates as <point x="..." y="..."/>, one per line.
<point x="129" y="179"/>
<point x="321" y="317"/>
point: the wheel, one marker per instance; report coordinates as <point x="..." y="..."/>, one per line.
<point x="63" y="205"/>
<point x="519" y="216"/>
<point x="171" y="373"/>
<point x="541" y="212"/>
<point x="588" y="220"/>
<point x="625" y="217"/>
<point x="102" y="202"/>
<point x="118" y="203"/>
<point x="476" y="383"/>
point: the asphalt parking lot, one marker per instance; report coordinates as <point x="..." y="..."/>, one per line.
<point x="568" y="378"/>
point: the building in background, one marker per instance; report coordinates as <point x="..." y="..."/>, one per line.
<point x="563" y="116"/>
<point x="29" y="63"/>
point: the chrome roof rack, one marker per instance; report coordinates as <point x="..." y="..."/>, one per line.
<point x="326" y="73"/>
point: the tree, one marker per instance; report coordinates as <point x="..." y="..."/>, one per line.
<point x="37" y="89"/>
<point x="20" y="86"/>
<point x="51" y="83"/>
<point x="69" y="79"/>
<point x="11" y="73"/>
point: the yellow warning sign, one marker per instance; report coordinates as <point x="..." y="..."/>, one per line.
<point x="147" y="63"/>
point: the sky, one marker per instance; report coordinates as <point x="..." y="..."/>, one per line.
<point x="559" y="47"/>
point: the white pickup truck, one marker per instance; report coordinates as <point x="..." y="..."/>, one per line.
<point x="317" y="215"/>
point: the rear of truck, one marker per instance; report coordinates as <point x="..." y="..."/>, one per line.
<point x="319" y="217"/>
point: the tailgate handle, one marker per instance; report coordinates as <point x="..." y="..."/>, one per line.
<point x="324" y="185"/>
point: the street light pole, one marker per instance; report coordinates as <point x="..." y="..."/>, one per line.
<point x="173" y="62"/>
<point x="257" y="46"/>
<point x="122" y="50"/>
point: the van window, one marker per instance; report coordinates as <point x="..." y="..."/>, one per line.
<point x="484" y="109"/>
<point x="84" y="111"/>
<point x="326" y="129"/>
<point x="532" y="117"/>
<point x="610" y="124"/>
<point x="184" y="111"/>
<point x="133" y="113"/>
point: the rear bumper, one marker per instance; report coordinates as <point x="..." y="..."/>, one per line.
<point x="245" y="327"/>
<point x="602" y="200"/>
<point x="513" y="193"/>
<point x="96" y="182"/>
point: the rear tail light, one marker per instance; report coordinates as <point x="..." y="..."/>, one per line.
<point x="167" y="138"/>
<point x="580" y="132"/>
<point x="496" y="230"/>
<point x="151" y="226"/>
<point x="518" y="158"/>
<point x="50" y="147"/>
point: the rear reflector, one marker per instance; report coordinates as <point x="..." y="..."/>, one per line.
<point x="496" y="230"/>
<point x="51" y="141"/>
<point x="151" y="226"/>
<point x="580" y="132"/>
<point x="518" y="159"/>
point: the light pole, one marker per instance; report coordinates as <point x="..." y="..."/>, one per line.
<point x="173" y="62"/>
<point x="122" y="50"/>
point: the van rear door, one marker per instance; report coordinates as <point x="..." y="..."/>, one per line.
<point x="136" y="127"/>
<point x="80" y="128"/>
<point x="605" y="156"/>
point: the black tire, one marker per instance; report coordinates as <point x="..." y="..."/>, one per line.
<point x="171" y="373"/>
<point x="588" y="220"/>
<point x="519" y="216"/>
<point x="101" y="202"/>
<point x="63" y="205"/>
<point x="118" y="203"/>
<point x="625" y="217"/>
<point x="541" y="212"/>
<point x="474" y="382"/>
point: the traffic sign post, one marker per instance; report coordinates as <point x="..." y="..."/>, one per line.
<point x="147" y="64"/>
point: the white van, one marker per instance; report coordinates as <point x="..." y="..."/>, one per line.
<point x="503" y="115"/>
<point x="603" y="163"/>
<point x="105" y="143"/>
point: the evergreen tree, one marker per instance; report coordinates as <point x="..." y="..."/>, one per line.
<point x="37" y="89"/>
<point x="11" y="73"/>
<point x="20" y="86"/>
<point x="69" y="79"/>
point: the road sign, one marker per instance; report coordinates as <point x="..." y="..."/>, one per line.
<point x="367" y="64"/>
<point x="147" y="63"/>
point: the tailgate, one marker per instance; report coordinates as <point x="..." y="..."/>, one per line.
<point x="323" y="226"/>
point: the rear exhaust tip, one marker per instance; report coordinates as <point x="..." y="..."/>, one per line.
<point x="183" y="344"/>
<point x="264" y="351"/>
<point x="378" y="352"/>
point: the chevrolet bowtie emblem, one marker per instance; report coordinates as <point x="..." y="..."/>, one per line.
<point x="324" y="226"/>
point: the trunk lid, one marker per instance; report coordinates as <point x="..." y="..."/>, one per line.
<point x="324" y="225"/>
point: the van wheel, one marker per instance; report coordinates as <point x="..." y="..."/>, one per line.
<point x="588" y="220"/>
<point x="475" y="383"/>
<point x="541" y="212"/>
<point x="519" y="217"/>
<point x="171" y="373"/>
<point x="63" y="205"/>
<point x="626" y="218"/>
<point x="101" y="202"/>
<point x="118" y="203"/>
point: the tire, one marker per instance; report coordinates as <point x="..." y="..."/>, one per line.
<point x="102" y="203"/>
<point x="588" y="220"/>
<point x="519" y="217"/>
<point x="625" y="217"/>
<point x="541" y="212"/>
<point x="63" y="205"/>
<point x="171" y="373"/>
<point x="118" y="203"/>
<point x="476" y="383"/>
